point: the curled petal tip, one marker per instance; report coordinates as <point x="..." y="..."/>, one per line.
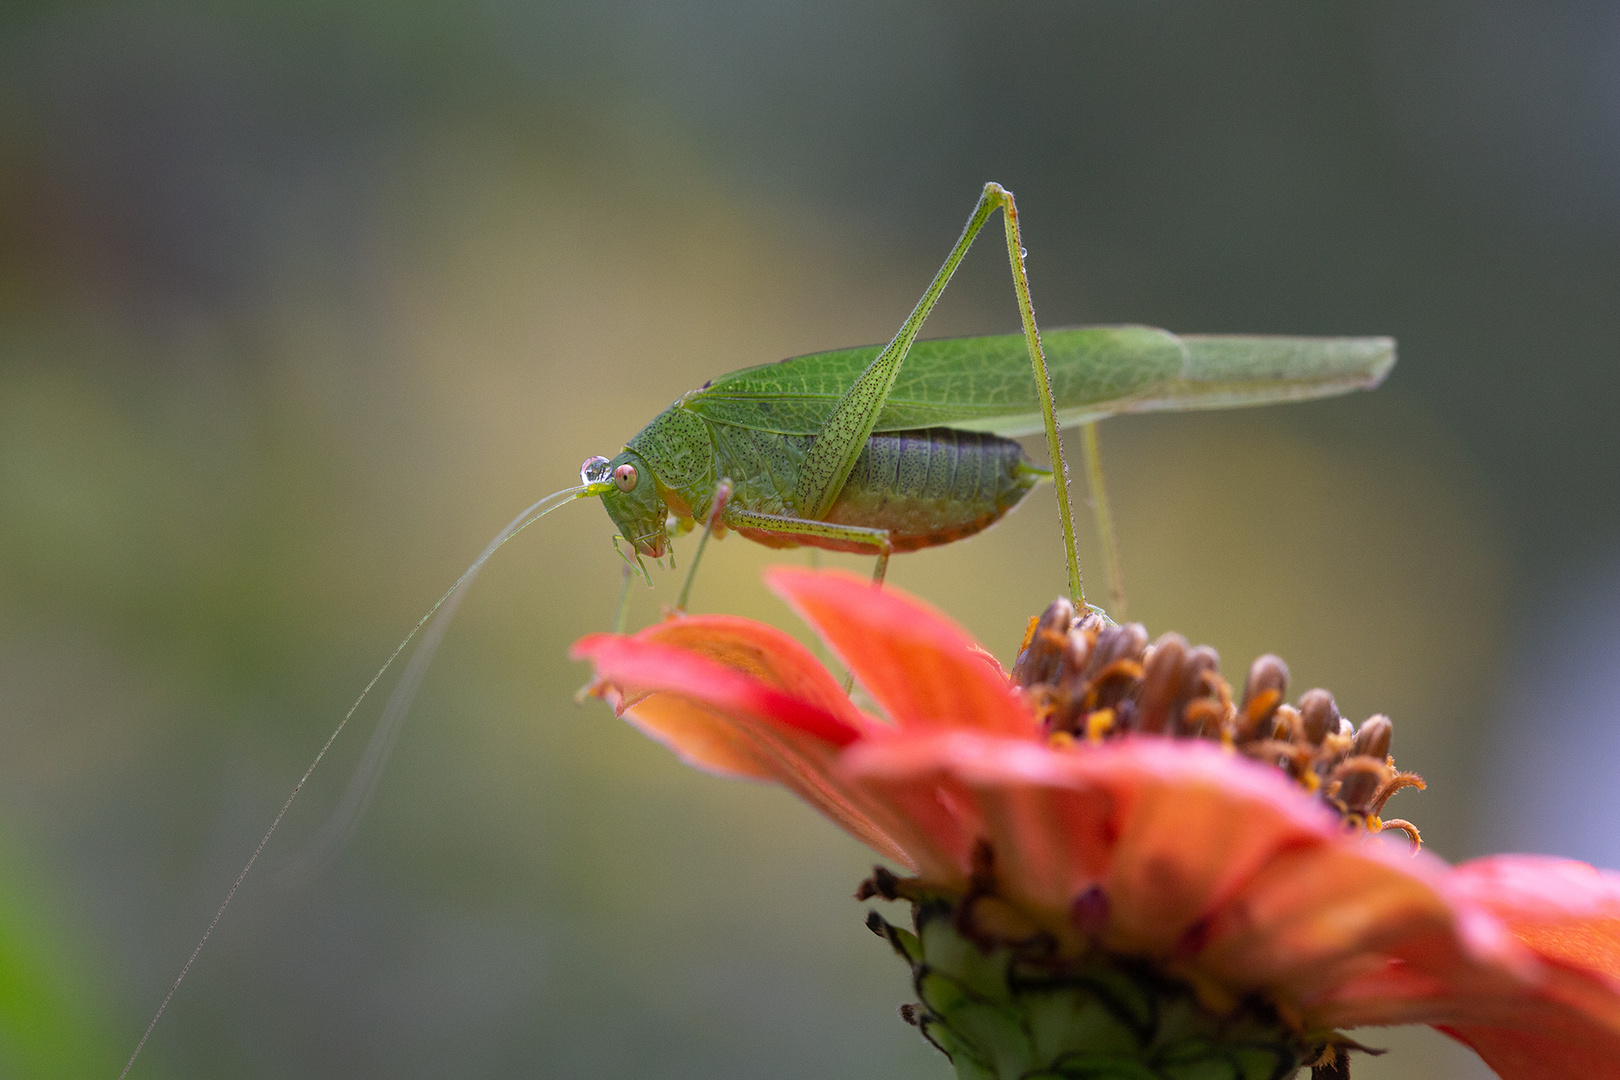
<point x="920" y="666"/>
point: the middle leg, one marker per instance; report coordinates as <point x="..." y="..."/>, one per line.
<point x="878" y="540"/>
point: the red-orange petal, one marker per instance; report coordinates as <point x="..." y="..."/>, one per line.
<point x="755" y="649"/>
<point x="922" y="668"/>
<point x="719" y="717"/>
<point x="1566" y="914"/>
<point x="911" y="778"/>
<point x="1319" y="916"/>
<point x="1564" y="911"/>
<point x="1554" y="1053"/>
<point x="762" y="651"/>
<point x="1203" y="823"/>
<point x="638" y="667"/>
<point x="1169" y="830"/>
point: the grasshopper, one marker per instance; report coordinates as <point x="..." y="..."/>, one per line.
<point x="880" y="450"/>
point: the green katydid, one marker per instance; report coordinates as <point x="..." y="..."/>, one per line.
<point x="880" y="450"/>
<point x="908" y="445"/>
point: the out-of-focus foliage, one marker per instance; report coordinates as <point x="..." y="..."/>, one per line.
<point x="300" y="302"/>
<point x="52" y="1022"/>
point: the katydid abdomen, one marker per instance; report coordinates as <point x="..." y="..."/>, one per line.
<point x="925" y="488"/>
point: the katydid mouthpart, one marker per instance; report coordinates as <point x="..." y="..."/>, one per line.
<point x="880" y="450"/>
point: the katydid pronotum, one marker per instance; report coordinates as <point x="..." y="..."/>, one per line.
<point x="882" y="450"/>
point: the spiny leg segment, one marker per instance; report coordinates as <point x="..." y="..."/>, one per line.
<point x="876" y="539"/>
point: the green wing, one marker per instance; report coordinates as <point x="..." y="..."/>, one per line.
<point x="987" y="383"/>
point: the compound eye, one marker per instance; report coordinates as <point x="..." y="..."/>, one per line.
<point x="624" y="477"/>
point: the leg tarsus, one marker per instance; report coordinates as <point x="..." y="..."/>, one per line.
<point x="632" y="559"/>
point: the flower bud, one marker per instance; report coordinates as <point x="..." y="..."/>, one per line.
<point x="1264" y="690"/>
<point x="1359" y="780"/>
<point x="1373" y="737"/>
<point x="1126" y="642"/>
<point x="1161" y="682"/>
<point x="1039" y="660"/>
<point x="1319" y="714"/>
<point x="1200" y="661"/>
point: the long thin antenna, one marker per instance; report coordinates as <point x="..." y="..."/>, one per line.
<point x="359" y="792"/>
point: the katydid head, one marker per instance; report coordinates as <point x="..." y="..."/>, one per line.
<point x="633" y="501"/>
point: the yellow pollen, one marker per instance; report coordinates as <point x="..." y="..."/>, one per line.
<point x="1098" y="724"/>
<point x="1029" y="632"/>
<point x="1043" y="711"/>
<point x="1263" y="705"/>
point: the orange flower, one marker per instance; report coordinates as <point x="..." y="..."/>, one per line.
<point x="1220" y="871"/>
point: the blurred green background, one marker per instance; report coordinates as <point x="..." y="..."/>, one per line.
<point x="300" y="302"/>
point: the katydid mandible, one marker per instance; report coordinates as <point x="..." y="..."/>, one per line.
<point x="909" y="445"/>
<point x="879" y="450"/>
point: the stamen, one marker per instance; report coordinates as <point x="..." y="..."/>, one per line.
<point x="1394" y="784"/>
<point x="1406" y="827"/>
<point x="1088" y="681"/>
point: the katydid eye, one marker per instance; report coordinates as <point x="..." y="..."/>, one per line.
<point x="624" y="477"/>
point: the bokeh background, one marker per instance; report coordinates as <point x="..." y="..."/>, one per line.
<point x="300" y="302"/>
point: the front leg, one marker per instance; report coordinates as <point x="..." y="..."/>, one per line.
<point x="782" y="525"/>
<point x="717" y="505"/>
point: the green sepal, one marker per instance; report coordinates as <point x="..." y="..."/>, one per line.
<point x="1013" y="1011"/>
<point x="904" y="941"/>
